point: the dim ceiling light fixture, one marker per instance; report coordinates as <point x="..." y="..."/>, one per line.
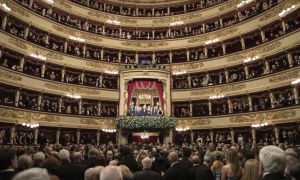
<point x="111" y="72"/>
<point x="176" y="73"/>
<point x="249" y="59"/>
<point x="5" y="7"/>
<point x="30" y="125"/>
<point x="285" y="11"/>
<point x="73" y="96"/>
<point x="212" y="41"/>
<point x="259" y="125"/>
<point x="182" y="129"/>
<point x="297" y="81"/>
<point x="37" y="56"/>
<point x="176" y="23"/>
<point x="243" y="3"/>
<point x="115" y="22"/>
<point x="49" y="1"/>
<point x="216" y="97"/>
<point x="109" y="130"/>
<point x="76" y="38"/>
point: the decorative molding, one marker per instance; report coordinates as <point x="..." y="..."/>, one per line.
<point x="229" y="4"/>
<point x="105" y="17"/>
<point x="213" y="35"/>
<point x="71" y="89"/>
<point x="27" y="116"/>
<point x="103" y="123"/>
<point x="18" y="43"/>
<point x="9" y="75"/>
<point x="146" y="73"/>
<point x="284" y="76"/>
<point x="192" y="123"/>
<point x="187" y="66"/>
<point x="103" y="66"/>
<point x="265" y="116"/>
<point x="15" y="8"/>
<point x="63" y="3"/>
<point x="256" y="51"/>
<point x="148" y="44"/>
<point x="216" y="90"/>
<point x="76" y="33"/>
<point x="187" y="17"/>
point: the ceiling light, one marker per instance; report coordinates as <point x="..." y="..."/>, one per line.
<point x="216" y="97"/>
<point x="283" y="12"/>
<point x="176" y="23"/>
<point x="111" y="72"/>
<point x="249" y="59"/>
<point x="76" y="38"/>
<point x="74" y="96"/>
<point x="176" y="73"/>
<point x="37" y="56"/>
<point x="115" y="22"/>
<point x="212" y="41"/>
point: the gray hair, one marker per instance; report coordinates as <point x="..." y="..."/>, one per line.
<point x="273" y="159"/>
<point x="147" y="163"/>
<point x="64" y="155"/>
<point x="39" y="157"/>
<point x="24" y="162"/>
<point x="111" y="173"/>
<point x="32" y="174"/>
<point x="93" y="173"/>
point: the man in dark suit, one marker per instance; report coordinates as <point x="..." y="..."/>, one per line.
<point x="185" y="161"/>
<point x="203" y="172"/>
<point x="8" y="163"/>
<point x="74" y="170"/>
<point x="193" y="170"/>
<point x="127" y="159"/>
<point x="147" y="173"/>
<point x="176" y="171"/>
<point x="272" y="161"/>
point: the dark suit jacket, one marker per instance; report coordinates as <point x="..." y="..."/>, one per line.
<point x="177" y="172"/>
<point x="72" y="171"/>
<point x="193" y="171"/>
<point x="7" y="175"/>
<point x="186" y="162"/>
<point x="147" y="174"/>
<point x="204" y="173"/>
<point x="160" y="164"/>
<point x="275" y="176"/>
<point x="130" y="163"/>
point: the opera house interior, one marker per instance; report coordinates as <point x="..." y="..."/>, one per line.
<point x="170" y="83"/>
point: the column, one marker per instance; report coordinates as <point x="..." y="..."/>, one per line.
<point x="221" y="22"/>
<point x="263" y="36"/>
<point x="137" y="11"/>
<point x="246" y="71"/>
<point x="60" y="101"/>
<point x="39" y="101"/>
<point x="211" y="133"/>
<point x="119" y="56"/>
<point x="63" y="70"/>
<point x="205" y="52"/>
<point x="153" y="11"/>
<point x="82" y="78"/>
<point x="26" y="30"/>
<point x="136" y="58"/>
<point x="153" y="58"/>
<point x="103" y="30"/>
<point x="120" y="32"/>
<point x="57" y="136"/>
<point x="189" y="80"/>
<point x="253" y="133"/>
<point x="250" y="103"/>
<point x="17" y="97"/>
<point x="226" y="75"/>
<point x="168" y="11"/>
<point x="1" y="52"/>
<point x="84" y="51"/>
<point x="191" y="109"/>
<point x="80" y="106"/>
<point x="243" y="43"/>
<point x="36" y="133"/>
<point x="203" y="27"/>
<point x="187" y="55"/>
<point x="101" y="54"/>
<point x="290" y="59"/>
<point x="209" y="107"/>
<point x="99" y="108"/>
<point x="283" y="26"/>
<point x="4" y="21"/>
<point x="153" y="34"/>
<point x="98" y="137"/>
<point x="101" y="80"/>
<point x="276" y="132"/>
<point x="224" y="48"/>
<point x="272" y="99"/>
<point x="43" y="70"/>
<point x="229" y="105"/>
<point x="78" y="136"/>
<point x="170" y="56"/>
<point x="184" y="7"/>
<point x="12" y="134"/>
<point x="192" y="136"/>
<point x="267" y="67"/>
<point x="22" y="61"/>
<point x="296" y="95"/>
<point x="232" y="135"/>
<point x="65" y="46"/>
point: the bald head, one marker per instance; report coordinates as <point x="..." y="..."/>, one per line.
<point x="77" y="157"/>
<point x="147" y="163"/>
<point x="196" y="159"/>
<point x="173" y="157"/>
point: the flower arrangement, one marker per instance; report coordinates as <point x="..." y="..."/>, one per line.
<point x="145" y="122"/>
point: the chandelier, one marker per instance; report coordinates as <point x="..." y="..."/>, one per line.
<point x="259" y="125"/>
<point x="145" y="135"/>
<point x="30" y="125"/>
<point x="109" y="130"/>
<point x="145" y="96"/>
<point x="182" y="129"/>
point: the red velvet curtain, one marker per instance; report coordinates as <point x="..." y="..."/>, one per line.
<point x="144" y="84"/>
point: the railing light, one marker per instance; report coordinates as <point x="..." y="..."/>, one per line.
<point x="37" y="56"/>
<point x="297" y="81"/>
<point x="212" y="41"/>
<point x="5" y="7"/>
<point x="216" y="97"/>
<point x="176" y="73"/>
<point x="283" y="12"/>
<point x="111" y="72"/>
<point x="74" y="96"/>
<point x="49" y="1"/>
<point x="115" y="22"/>
<point x="176" y="23"/>
<point x="249" y="59"/>
<point x="76" y="38"/>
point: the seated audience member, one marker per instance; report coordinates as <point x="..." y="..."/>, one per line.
<point x="147" y="173"/>
<point x="232" y="170"/>
<point x="32" y="174"/>
<point x="24" y="162"/>
<point x="251" y="170"/>
<point x="8" y="163"/>
<point x="272" y="163"/>
<point x="111" y="173"/>
<point x="176" y="170"/>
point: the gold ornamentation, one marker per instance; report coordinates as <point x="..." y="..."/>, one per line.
<point x="104" y="123"/>
<point x="103" y="66"/>
<point x="71" y="89"/>
<point x="191" y="123"/>
<point x="150" y="44"/>
<point x="229" y="4"/>
<point x="76" y="33"/>
<point x="109" y="17"/>
<point x="265" y="116"/>
<point x="275" y="11"/>
<point x="63" y="3"/>
<point x="284" y="76"/>
<point x="15" y="8"/>
<point x="187" y="66"/>
<point x="27" y="116"/>
<point x="149" y="73"/>
<point x="256" y="51"/>
<point x="18" y="43"/>
<point x="213" y="35"/>
<point x="168" y="20"/>
<point x="9" y="75"/>
<point x="222" y="89"/>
